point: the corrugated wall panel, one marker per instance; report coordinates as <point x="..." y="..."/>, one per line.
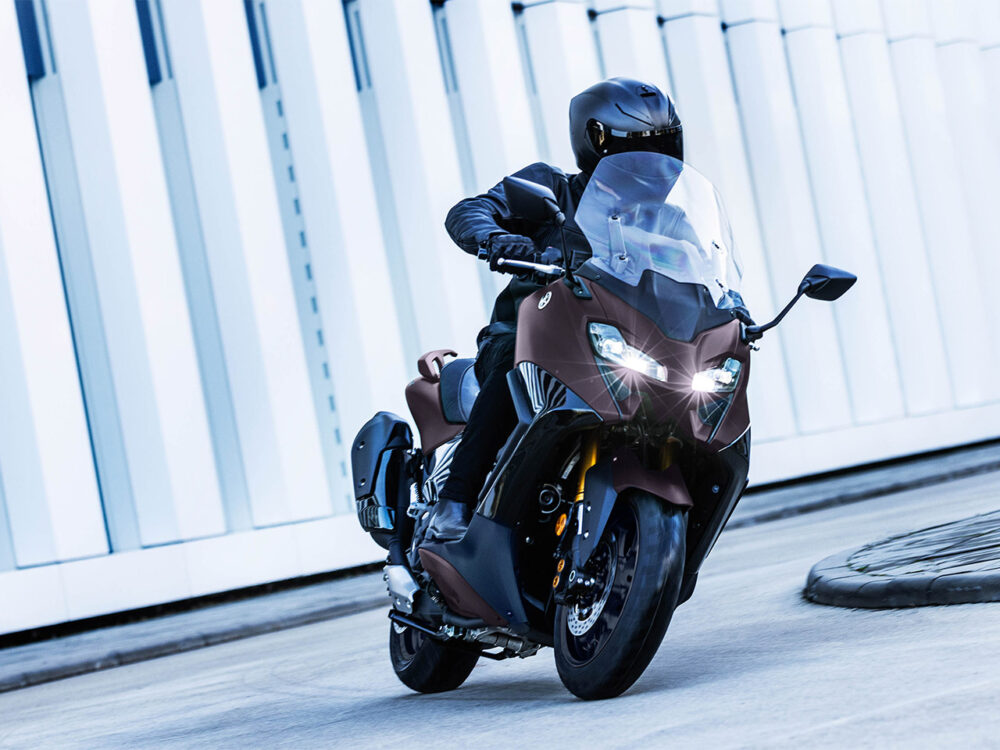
<point x="787" y="212"/>
<point x="892" y="200"/>
<point x="562" y="57"/>
<point x="276" y="421"/>
<point x="630" y="43"/>
<point x="401" y="56"/>
<point x="841" y="208"/>
<point x="348" y="263"/>
<point x="133" y="255"/>
<point x="47" y="479"/>
<point x="944" y="216"/>
<point x="971" y="117"/>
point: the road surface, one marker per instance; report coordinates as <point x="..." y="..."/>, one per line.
<point x="746" y="663"/>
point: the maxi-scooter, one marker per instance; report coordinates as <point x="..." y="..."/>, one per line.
<point x="630" y="453"/>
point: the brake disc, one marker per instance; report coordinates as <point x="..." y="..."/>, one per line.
<point x="581" y="619"/>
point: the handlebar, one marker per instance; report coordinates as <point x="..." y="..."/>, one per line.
<point x="543" y="268"/>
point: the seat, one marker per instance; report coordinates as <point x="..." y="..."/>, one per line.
<point x="459" y="388"/>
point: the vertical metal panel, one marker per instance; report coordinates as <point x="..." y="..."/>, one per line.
<point x="714" y="144"/>
<point x="491" y="91"/>
<point x="988" y="34"/>
<point x="83" y="302"/>
<point x="490" y="282"/>
<point x="630" y="42"/>
<point x="422" y="164"/>
<point x="563" y="60"/>
<point x="7" y="560"/>
<point x="841" y="208"/>
<point x="278" y="432"/>
<point x="971" y="116"/>
<point x="349" y="266"/>
<point x="299" y="247"/>
<point x="392" y="232"/>
<point x="133" y="253"/>
<point x="895" y="213"/>
<point x="47" y="479"/>
<point x="787" y="212"/>
<point x="488" y="67"/>
<point x="944" y="216"/>
<point x="197" y="281"/>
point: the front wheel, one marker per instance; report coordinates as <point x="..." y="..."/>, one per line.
<point x="604" y="644"/>
<point x="426" y="665"/>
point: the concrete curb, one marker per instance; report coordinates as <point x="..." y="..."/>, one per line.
<point x="919" y="580"/>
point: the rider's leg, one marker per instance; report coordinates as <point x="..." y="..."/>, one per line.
<point x="490" y="422"/>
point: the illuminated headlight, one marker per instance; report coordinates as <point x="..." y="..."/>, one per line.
<point x="717" y="379"/>
<point x="609" y="344"/>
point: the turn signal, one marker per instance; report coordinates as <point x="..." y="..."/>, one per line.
<point x="560" y="566"/>
<point x="555" y="581"/>
<point x="561" y="524"/>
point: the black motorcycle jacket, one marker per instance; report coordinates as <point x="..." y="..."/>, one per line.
<point x="473" y="221"/>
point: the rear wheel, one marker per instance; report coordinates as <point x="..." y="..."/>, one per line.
<point x="604" y="644"/>
<point x="426" y="665"/>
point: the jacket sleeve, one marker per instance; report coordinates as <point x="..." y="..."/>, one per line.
<point x="471" y="222"/>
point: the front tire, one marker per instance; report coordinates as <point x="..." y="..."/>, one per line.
<point x="603" y="648"/>
<point x="426" y="665"/>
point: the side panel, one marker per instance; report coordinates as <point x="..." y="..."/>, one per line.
<point x="380" y="433"/>
<point x="496" y="582"/>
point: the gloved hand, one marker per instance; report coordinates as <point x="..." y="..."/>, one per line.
<point x="511" y="247"/>
<point x="551" y="256"/>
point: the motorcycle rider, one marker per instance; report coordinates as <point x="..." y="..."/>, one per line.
<point x="613" y="116"/>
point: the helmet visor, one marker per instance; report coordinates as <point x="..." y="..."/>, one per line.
<point x="607" y="141"/>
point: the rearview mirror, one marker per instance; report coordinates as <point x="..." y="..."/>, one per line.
<point x="531" y="201"/>
<point x="826" y="282"/>
<point x="822" y="282"/>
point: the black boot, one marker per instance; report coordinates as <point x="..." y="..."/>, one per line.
<point x="451" y="519"/>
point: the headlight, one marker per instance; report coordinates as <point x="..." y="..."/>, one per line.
<point x="717" y="379"/>
<point x="609" y="344"/>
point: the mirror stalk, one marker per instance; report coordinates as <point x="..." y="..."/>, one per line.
<point x="753" y="333"/>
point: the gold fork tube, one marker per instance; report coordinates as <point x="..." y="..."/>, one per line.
<point x="589" y="448"/>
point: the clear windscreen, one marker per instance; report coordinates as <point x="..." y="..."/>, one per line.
<point x="646" y="211"/>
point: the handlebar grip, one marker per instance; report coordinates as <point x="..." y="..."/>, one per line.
<point x="526" y="265"/>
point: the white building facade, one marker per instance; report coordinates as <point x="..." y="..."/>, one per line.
<point x="222" y="247"/>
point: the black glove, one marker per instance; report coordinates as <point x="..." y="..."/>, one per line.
<point x="510" y="247"/>
<point x="551" y="256"/>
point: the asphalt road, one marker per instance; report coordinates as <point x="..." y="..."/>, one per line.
<point x="746" y="663"/>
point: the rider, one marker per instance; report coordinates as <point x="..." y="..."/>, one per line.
<point x="620" y="114"/>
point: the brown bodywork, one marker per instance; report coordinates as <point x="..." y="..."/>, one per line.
<point x="555" y="338"/>
<point x="461" y="597"/>
<point x="423" y="397"/>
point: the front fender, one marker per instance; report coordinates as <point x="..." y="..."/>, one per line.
<point x="604" y="482"/>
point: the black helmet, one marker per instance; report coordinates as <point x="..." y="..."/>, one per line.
<point x="623" y="114"/>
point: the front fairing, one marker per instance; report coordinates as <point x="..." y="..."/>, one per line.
<point x="666" y="275"/>
<point x="553" y="336"/>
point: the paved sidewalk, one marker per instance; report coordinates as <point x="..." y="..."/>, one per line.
<point x="53" y="659"/>
<point x="43" y="661"/>
<point x="954" y="563"/>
